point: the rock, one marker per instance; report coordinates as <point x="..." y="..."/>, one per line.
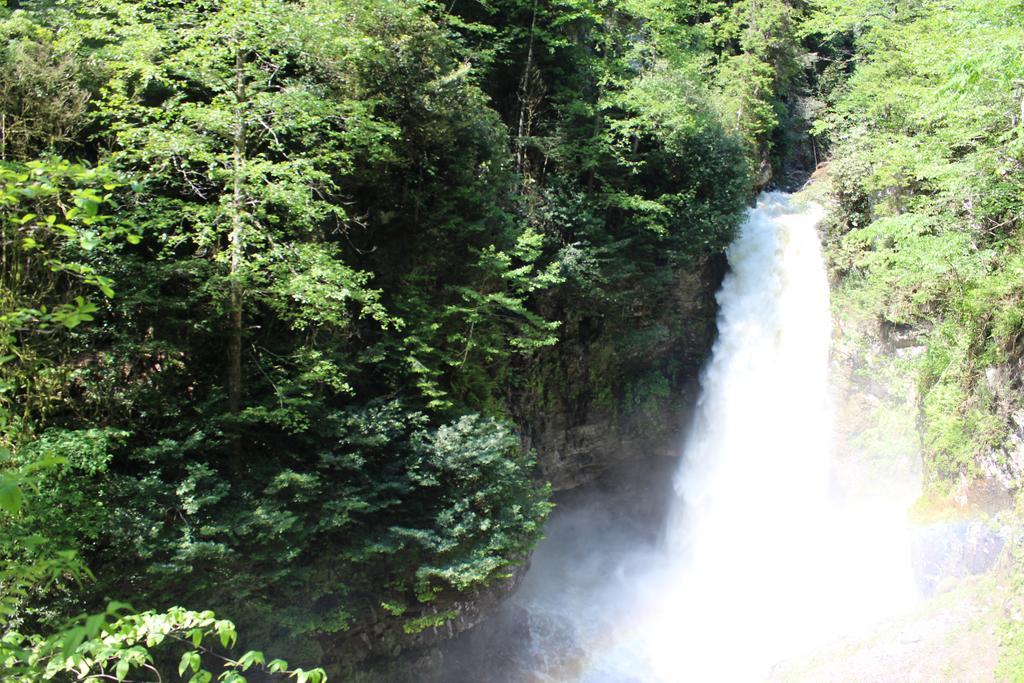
<point x="943" y="551"/>
<point x="586" y="424"/>
<point x="911" y="352"/>
<point x="997" y="377"/>
<point x="381" y="652"/>
<point x="764" y="172"/>
<point x="895" y="336"/>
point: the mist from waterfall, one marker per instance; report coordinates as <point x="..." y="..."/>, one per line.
<point x="765" y="553"/>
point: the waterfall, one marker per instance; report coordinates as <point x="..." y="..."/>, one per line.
<point x="766" y="554"/>
<point x="760" y="441"/>
<point x="761" y="562"/>
<point x="745" y="538"/>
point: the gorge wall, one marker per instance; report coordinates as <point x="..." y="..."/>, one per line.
<point x="602" y="401"/>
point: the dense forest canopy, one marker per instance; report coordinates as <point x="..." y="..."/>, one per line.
<point x="281" y="278"/>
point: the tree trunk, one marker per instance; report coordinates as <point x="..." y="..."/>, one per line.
<point x="524" y="94"/>
<point x="235" y="293"/>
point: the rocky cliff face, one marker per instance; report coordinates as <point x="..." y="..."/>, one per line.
<point x="1005" y="463"/>
<point x="382" y="651"/>
<point x="601" y="401"/>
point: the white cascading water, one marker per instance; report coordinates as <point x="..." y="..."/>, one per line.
<point x="747" y="537"/>
<point x="749" y="528"/>
<point x="761" y="560"/>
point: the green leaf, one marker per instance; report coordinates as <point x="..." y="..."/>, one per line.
<point x="121" y="671"/>
<point x="249" y="658"/>
<point x="190" y="659"/>
<point x="114" y="606"/>
<point x="44" y="463"/>
<point x="11" y="496"/>
<point x="71" y="639"/>
<point x="88" y="240"/>
<point x="184" y="663"/>
<point x="93" y="624"/>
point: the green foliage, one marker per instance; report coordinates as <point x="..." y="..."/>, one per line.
<point x="53" y="234"/>
<point x="42" y="104"/>
<point x="108" y="641"/>
<point x="428" y="621"/>
<point x="113" y="645"/>
<point x="632" y="169"/>
<point x="928" y="145"/>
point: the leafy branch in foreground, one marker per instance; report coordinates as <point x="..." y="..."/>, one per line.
<point x="115" y="643"/>
<point x="114" y="646"/>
